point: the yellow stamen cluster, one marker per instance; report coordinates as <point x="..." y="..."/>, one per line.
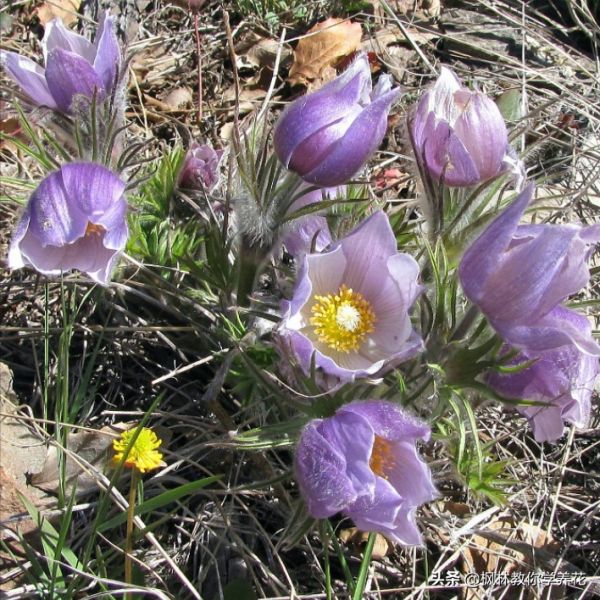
<point x="342" y="320"/>
<point x="382" y="457"/>
<point x="143" y="454"/>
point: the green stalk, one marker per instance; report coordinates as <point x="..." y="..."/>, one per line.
<point x="129" y="534"/>
<point x="361" y="580"/>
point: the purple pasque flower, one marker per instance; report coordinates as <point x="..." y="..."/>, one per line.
<point x="299" y="235"/>
<point x="561" y="378"/>
<point x="363" y="462"/>
<point x="74" y="66"/>
<point x="519" y="275"/>
<point x="327" y="136"/>
<point x="75" y="219"/>
<point x="350" y="306"/>
<point x="459" y="135"/>
<point x="200" y="170"/>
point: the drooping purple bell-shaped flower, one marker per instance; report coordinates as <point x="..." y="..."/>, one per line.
<point x="519" y="275"/>
<point x="459" y="135"/>
<point x="327" y="136"/>
<point x="363" y="462"/>
<point x="75" y="219"/>
<point x="562" y="379"/>
<point x="73" y="66"/>
<point x="350" y="309"/>
<point x="200" y="168"/>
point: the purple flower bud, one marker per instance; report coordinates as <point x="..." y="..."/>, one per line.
<point x="75" y="219"/>
<point x="327" y="136"/>
<point x="562" y="378"/>
<point x="200" y="170"/>
<point x="299" y="234"/>
<point x="519" y="274"/>
<point x="363" y="462"/>
<point x="74" y="66"/>
<point x="350" y="305"/>
<point x="458" y="135"/>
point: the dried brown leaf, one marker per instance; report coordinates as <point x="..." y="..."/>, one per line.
<point x="91" y="446"/>
<point x="317" y="53"/>
<point x="63" y="9"/>
<point x="359" y="539"/>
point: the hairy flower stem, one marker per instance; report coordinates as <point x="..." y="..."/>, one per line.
<point x="129" y="533"/>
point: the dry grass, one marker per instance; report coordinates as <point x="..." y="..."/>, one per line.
<point x="144" y="339"/>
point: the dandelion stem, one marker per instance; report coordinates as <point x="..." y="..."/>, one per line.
<point x="129" y="534"/>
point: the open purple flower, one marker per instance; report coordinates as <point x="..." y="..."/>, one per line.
<point x="519" y="274"/>
<point x="299" y="235"/>
<point x="363" y="462"/>
<point x="74" y="66"/>
<point x="350" y="306"/>
<point x="327" y="136"/>
<point x="200" y="170"/>
<point x="75" y="219"/>
<point x="562" y="378"/>
<point x="459" y="135"/>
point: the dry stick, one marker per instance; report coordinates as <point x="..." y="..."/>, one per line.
<point x="416" y="47"/>
<point x="199" y="55"/>
<point x="236" y="122"/>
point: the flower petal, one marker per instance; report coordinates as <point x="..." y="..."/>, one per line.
<point x="94" y="190"/>
<point x="57" y="36"/>
<point x="540" y="273"/>
<point x="386" y="514"/>
<point x="55" y="219"/>
<point x="446" y="156"/>
<point x="483" y="256"/>
<point x="320" y="470"/>
<point x="326" y="270"/>
<point x="68" y="75"/>
<point x="482" y="131"/>
<point x="551" y="331"/>
<point x="389" y="420"/>
<point x="16" y="260"/>
<point x="353" y="438"/>
<point x="29" y="76"/>
<point x="367" y="250"/>
<point x="329" y="104"/>
<point x="441" y="98"/>
<point x="107" y="60"/>
<point x="352" y="151"/>
<point x="410" y="475"/>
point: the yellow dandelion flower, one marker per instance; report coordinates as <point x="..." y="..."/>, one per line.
<point x="143" y="454"/>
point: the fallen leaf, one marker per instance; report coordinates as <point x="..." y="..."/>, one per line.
<point x="359" y="539"/>
<point x="255" y="51"/>
<point x="180" y="97"/>
<point x="91" y="446"/>
<point x="324" y="45"/>
<point x="85" y="449"/>
<point x="486" y="553"/>
<point x="66" y="10"/>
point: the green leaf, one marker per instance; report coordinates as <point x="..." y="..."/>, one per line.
<point x="161" y="500"/>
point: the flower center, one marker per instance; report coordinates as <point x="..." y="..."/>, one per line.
<point x="93" y="229"/>
<point x="342" y="320"/>
<point x="382" y="457"/>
